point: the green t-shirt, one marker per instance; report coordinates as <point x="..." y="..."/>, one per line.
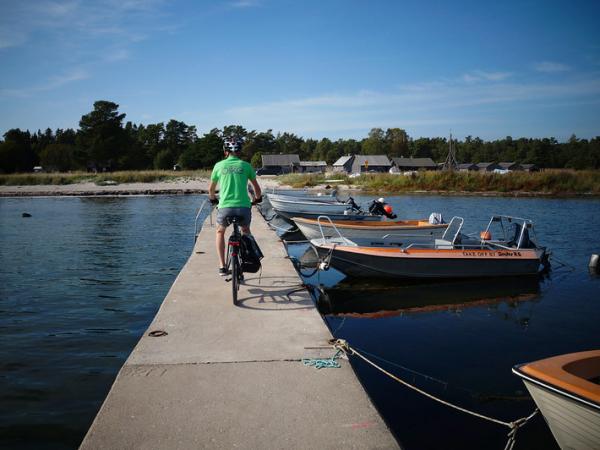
<point x="233" y="174"/>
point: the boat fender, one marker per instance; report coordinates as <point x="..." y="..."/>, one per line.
<point x="485" y="236"/>
<point x="594" y="263"/>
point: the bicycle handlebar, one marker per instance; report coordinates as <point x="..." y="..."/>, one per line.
<point x="215" y="201"/>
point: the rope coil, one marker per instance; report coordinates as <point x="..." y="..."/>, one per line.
<point x="324" y="363"/>
<point x="342" y="346"/>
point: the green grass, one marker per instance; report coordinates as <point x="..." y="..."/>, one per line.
<point x="552" y="182"/>
<point x="131" y="176"/>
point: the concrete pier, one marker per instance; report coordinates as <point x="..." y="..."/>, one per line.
<point x="232" y="377"/>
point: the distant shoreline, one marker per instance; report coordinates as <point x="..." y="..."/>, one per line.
<point x="195" y="187"/>
<point x="547" y="184"/>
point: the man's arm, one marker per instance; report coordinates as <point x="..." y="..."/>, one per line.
<point x="257" y="191"/>
<point x="212" y="192"/>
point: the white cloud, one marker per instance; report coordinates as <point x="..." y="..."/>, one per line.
<point x="550" y="67"/>
<point x="245" y="4"/>
<point x="480" y="75"/>
<point x="438" y="104"/>
<point x="11" y="38"/>
<point x="50" y="84"/>
<point x="78" y="20"/>
<point x="116" y="55"/>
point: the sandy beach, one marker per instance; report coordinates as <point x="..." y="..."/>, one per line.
<point x="174" y="187"/>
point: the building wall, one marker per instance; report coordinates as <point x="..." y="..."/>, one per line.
<point x="312" y="169"/>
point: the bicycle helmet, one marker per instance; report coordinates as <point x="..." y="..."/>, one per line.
<point x="232" y="144"/>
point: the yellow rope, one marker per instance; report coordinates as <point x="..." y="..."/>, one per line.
<point x="342" y="345"/>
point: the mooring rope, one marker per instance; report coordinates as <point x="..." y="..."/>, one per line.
<point x="324" y="363"/>
<point x="445" y="384"/>
<point x="343" y="346"/>
<point x="562" y="263"/>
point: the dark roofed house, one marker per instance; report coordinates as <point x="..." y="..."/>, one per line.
<point x="280" y="163"/>
<point x="371" y="163"/>
<point x="510" y="166"/>
<point x="312" y="166"/>
<point x="530" y="168"/>
<point x="467" y="167"/>
<point x="343" y="164"/>
<point x="415" y="163"/>
<point x="487" y="166"/>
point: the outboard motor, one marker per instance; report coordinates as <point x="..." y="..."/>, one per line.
<point x="380" y="208"/>
<point x="352" y="203"/>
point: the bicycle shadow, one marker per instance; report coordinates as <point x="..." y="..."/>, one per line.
<point x="272" y="281"/>
<point x="276" y="298"/>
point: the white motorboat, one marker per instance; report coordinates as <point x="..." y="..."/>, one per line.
<point x="370" y="232"/>
<point x="303" y="197"/>
<point x="566" y="389"/>
<point x="302" y="206"/>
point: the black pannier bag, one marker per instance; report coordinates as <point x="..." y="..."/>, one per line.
<point x="250" y="254"/>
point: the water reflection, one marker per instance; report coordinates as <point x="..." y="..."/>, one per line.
<point x="375" y="300"/>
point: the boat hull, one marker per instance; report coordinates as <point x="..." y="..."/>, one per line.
<point x="356" y="262"/>
<point x="574" y="425"/>
<point x="306" y="197"/>
<point x="565" y="388"/>
<point x="310" y="207"/>
<point x="335" y="217"/>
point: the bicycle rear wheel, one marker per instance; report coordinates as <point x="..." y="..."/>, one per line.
<point x="235" y="278"/>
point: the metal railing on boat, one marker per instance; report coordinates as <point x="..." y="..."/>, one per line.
<point x="196" y="231"/>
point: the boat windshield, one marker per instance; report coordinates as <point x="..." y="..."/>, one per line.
<point x="514" y="232"/>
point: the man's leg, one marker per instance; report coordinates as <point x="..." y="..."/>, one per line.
<point x="220" y="241"/>
<point x="247" y="213"/>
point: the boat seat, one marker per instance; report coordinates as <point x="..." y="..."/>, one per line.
<point x="443" y="244"/>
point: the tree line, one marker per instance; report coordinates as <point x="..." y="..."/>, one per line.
<point x="104" y="142"/>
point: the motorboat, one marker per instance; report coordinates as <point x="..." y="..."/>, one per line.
<point x="354" y="212"/>
<point x="566" y="389"/>
<point x="301" y="192"/>
<point x="306" y="197"/>
<point x="454" y="256"/>
<point x="295" y="205"/>
<point x="356" y="216"/>
<point x="371" y="232"/>
<point x="376" y="211"/>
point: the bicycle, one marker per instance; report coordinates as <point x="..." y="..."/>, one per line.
<point x="232" y="263"/>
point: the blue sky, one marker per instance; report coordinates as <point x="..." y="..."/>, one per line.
<point x="316" y="68"/>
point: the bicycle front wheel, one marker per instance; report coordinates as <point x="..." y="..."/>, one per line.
<point x="235" y="278"/>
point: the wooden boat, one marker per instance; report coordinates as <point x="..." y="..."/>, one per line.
<point x="452" y="257"/>
<point x="566" y="389"/>
<point x="371" y="232"/>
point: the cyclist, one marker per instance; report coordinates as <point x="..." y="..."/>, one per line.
<point x="232" y="174"/>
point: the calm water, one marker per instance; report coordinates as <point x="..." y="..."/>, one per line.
<point x="81" y="280"/>
<point x="468" y="335"/>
